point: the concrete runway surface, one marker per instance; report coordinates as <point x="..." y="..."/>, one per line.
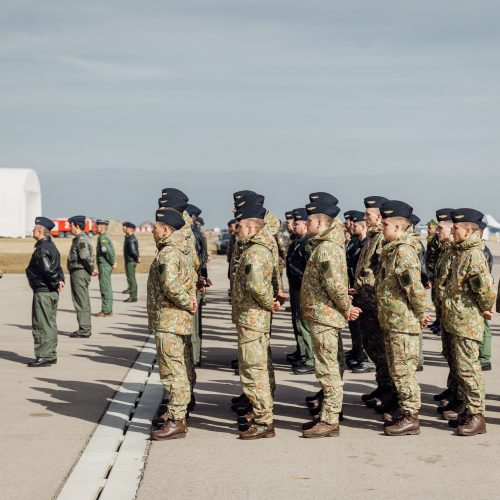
<point x="50" y="413"/>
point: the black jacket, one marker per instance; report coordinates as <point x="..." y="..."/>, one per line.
<point x="201" y="249"/>
<point x="296" y="260"/>
<point x="489" y="257"/>
<point x="353" y="251"/>
<point x="131" y="248"/>
<point x="44" y="271"/>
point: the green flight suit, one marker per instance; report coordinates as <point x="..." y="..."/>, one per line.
<point x="44" y="326"/>
<point x="81" y="267"/>
<point x="106" y="258"/>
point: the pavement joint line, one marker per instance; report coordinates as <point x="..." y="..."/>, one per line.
<point x="90" y="475"/>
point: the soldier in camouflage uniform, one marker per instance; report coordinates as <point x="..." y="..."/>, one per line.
<point x="401" y="302"/>
<point x="469" y="300"/>
<point x="382" y="398"/>
<point x="441" y="273"/>
<point x="253" y="303"/>
<point x="171" y="303"/>
<point x="81" y="269"/>
<point x="326" y="306"/>
<point x="106" y="262"/>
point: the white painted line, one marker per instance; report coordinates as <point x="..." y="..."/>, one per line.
<point x="88" y="477"/>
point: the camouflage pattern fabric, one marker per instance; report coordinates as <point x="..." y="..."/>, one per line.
<point x="441" y="274"/>
<point x="329" y="368"/>
<point x="401" y="297"/>
<point x="402" y="357"/>
<point x="469" y="291"/>
<point x="324" y="293"/>
<point x="170" y="287"/>
<point x="191" y="242"/>
<point x="279" y="250"/>
<point x="471" y="387"/>
<point x="81" y="254"/>
<point x="252" y="291"/>
<point x="172" y="363"/>
<point x="374" y="345"/>
<point x="366" y="269"/>
<point x="253" y="361"/>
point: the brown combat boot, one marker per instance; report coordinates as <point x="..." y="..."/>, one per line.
<point x="472" y="425"/>
<point x="258" y="431"/>
<point x="391" y="417"/>
<point x="172" y="429"/>
<point x="322" y="429"/>
<point x="245" y="419"/>
<point x="403" y="426"/>
<point x="311" y="423"/>
<point x="453" y="412"/>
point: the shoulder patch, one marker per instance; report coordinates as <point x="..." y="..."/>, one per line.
<point x="406" y="278"/>
<point x="248" y="268"/>
<point x="476" y="282"/>
<point x="324" y="266"/>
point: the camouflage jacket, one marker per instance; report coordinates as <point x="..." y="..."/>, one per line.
<point x="324" y="294"/>
<point x="441" y="274"/>
<point x="81" y="254"/>
<point x="469" y="291"/>
<point x="191" y="241"/>
<point x="432" y="255"/>
<point x="401" y="297"/>
<point x="366" y="269"/>
<point x="171" y="287"/>
<point x="105" y="253"/>
<point x="279" y="250"/>
<point x="252" y="292"/>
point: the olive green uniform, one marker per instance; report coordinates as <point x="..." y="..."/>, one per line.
<point x="81" y="267"/>
<point x="106" y="258"/>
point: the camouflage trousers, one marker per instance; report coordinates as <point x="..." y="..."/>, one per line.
<point x="452" y="381"/>
<point x="402" y="358"/>
<point x="255" y="368"/>
<point x="374" y="345"/>
<point x="471" y="388"/>
<point x="329" y="369"/>
<point x="176" y="371"/>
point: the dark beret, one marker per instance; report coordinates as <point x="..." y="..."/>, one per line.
<point x="173" y="201"/>
<point x="128" y="224"/>
<point x="250" y="212"/>
<point x="77" y="219"/>
<point x="357" y="216"/>
<point x="300" y="214"/>
<point x="347" y="214"/>
<point x="102" y="222"/>
<point x="170" y="217"/>
<point x="395" y="208"/>
<point x="193" y="210"/>
<point x="241" y="194"/>
<point x="444" y="214"/>
<point x="321" y="195"/>
<point x="251" y="199"/>
<point x="467" y="215"/>
<point x="414" y="219"/>
<point x="175" y="192"/>
<point x="325" y="207"/>
<point x="289" y="215"/>
<point x="374" y="201"/>
<point x="232" y="221"/>
<point x="46" y="223"/>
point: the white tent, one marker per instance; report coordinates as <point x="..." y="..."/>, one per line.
<point x="20" y="201"/>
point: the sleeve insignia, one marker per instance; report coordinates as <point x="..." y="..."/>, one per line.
<point x="476" y="282"/>
<point x="82" y="245"/>
<point x="406" y="278"/>
<point x="324" y="266"/>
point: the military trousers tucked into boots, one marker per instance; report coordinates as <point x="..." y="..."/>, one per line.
<point x="329" y="367"/>
<point x="402" y="358"/>
<point x="173" y="366"/>
<point x="471" y="388"/>
<point x="253" y="361"/>
<point x="43" y="322"/>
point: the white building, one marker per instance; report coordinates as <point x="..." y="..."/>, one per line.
<point x="20" y="201"/>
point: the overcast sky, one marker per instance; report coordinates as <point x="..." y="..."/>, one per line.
<point x="330" y="87"/>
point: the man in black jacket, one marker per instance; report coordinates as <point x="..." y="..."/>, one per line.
<point x="46" y="279"/>
<point x="132" y="258"/>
